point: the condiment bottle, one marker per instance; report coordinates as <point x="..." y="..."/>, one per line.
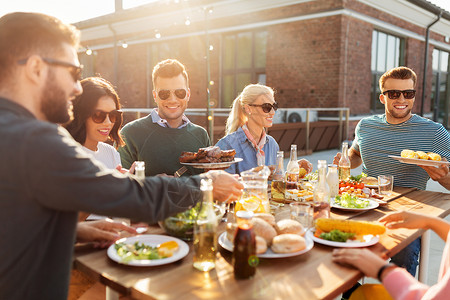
<point x="321" y="200"/>
<point x="139" y="169"/>
<point x="344" y="163"/>
<point x="244" y="252"/>
<point x="278" y="183"/>
<point x="333" y="180"/>
<point x="292" y="177"/>
<point x="205" y="231"/>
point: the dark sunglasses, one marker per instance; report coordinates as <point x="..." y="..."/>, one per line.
<point x="165" y="94"/>
<point x="75" y="71"/>
<point x="267" y="107"/>
<point x="395" y="94"/>
<point x="99" y="116"/>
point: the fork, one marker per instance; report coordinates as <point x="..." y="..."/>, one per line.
<point x="180" y="171"/>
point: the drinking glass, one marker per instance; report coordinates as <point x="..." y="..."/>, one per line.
<point x="301" y="212"/>
<point x="385" y="184"/>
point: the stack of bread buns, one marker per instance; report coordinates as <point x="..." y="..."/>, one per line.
<point x="420" y="155"/>
<point x="284" y="236"/>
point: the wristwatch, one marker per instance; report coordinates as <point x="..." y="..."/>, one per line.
<point x="384" y="267"/>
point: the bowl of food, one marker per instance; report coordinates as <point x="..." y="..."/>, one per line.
<point x="181" y="225"/>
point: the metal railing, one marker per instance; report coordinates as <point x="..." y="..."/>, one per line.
<point x="343" y="117"/>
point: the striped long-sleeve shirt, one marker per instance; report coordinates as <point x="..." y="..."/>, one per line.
<point x="375" y="139"/>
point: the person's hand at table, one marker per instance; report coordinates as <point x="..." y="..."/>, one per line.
<point x="363" y="259"/>
<point x="102" y="232"/>
<point x="404" y="219"/>
<point x="226" y="187"/>
<point x="337" y="158"/>
<point x="438" y="173"/>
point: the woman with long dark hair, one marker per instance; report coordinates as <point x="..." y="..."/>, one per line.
<point x="96" y="119"/>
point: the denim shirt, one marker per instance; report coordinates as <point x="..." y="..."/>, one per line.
<point x="245" y="150"/>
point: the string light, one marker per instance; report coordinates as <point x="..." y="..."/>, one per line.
<point x="88" y="51"/>
<point x="187" y="22"/>
<point x="157" y="35"/>
<point x="211" y="47"/>
<point x="124" y="45"/>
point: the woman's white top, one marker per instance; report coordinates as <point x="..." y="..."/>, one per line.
<point x="106" y="154"/>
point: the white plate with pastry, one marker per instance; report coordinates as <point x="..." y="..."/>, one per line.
<point x="228" y="245"/>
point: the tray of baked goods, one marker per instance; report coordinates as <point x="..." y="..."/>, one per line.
<point x="209" y="158"/>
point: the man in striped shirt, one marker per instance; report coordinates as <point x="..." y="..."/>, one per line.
<point x="378" y="136"/>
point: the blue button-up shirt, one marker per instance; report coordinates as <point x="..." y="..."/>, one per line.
<point x="163" y="122"/>
<point x="245" y="150"/>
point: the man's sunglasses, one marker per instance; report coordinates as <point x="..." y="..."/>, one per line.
<point x="395" y="94"/>
<point x="99" y="116"/>
<point x="165" y="94"/>
<point x="75" y="71"/>
<point x="267" y="107"/>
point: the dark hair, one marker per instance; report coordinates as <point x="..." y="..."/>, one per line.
<point x="398" y="73"/>
<point x="24" y="34"/>
<point x="169" y="68"/>
<point x="84" y="105"/>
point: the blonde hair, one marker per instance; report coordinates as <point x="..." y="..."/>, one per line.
<point x="237" y="116"/>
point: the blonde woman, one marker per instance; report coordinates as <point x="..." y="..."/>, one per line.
<point x="252" y="112"/>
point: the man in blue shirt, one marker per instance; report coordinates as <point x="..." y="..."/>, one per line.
<point x="378" y="136"/>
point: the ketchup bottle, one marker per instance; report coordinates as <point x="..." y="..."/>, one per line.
<point x="244" y="252"/>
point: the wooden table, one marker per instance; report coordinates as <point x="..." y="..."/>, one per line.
<point x="309" y="276"/>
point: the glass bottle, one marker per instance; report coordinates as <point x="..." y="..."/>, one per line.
<point x="278" y="184"/>
<point x="139" y="169"/>
<point x="333" y="180"/>
<point x="244" y="252"/>
<point x="322" y="193"/>
<point x="205" y="231"/>
<point x="344" y="163"/>
<point x="292" y="177"/>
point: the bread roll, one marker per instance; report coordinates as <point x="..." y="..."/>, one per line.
<point x="263" y="229"/>
<point x="261" y="245"/>
<point x="288" y="243"/>
<point x="266" y="217"/>
<point x="289" y="226"/>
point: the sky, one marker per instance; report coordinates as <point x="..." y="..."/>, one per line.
<point x="72" y="11"/>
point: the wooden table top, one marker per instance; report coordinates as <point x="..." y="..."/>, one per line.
<point x="312" y="275"/>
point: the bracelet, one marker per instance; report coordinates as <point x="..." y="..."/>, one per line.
<point x="384" y="267"/>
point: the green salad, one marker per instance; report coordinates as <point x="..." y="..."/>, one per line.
<point x="350" y="201"/>
<point x="136" y="251"/>
<point x="337" y="236"/>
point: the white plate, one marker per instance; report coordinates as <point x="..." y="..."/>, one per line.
<point x="220" y="165"/>
<point x="151" y="240"/>
<point x="419" y="162"/>
<point x="372" y="204"/>
<point x="227" y="245"/>
<point x="371" y="240"/>
<point x="371" y="186"/>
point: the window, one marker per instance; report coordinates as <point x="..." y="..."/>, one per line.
<point x="440" y="97"/>
<point x="244" y="62"/>
<point x="387" y="53"/>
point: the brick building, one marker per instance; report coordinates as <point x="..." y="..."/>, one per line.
<point x="314" y="53"/>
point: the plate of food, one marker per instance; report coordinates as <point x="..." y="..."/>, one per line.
<point x="418" y="161"/>
<point x="349" y="202"/>
<point x="228" y="245"/>
<point x="147" y="250"/>
<point x="216" y="165"/>
<point x="346" y="233"/>
<point x="209" y="158"/>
